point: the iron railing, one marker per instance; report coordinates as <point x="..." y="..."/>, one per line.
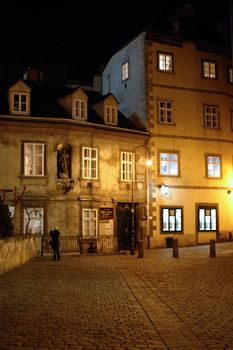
<point x="82" y="245"/>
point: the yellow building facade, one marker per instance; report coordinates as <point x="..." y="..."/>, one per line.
<point x="181" y="91"/>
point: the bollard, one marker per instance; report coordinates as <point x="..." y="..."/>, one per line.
<point x="42" y="246"/>
<point x="148" y="242"/>
<point x="140" y="249"/>
<point x="175" y="248"/>
<point x="230" y="236"/>
<point x="212" y="248"/>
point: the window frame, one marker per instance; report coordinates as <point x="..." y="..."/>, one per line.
<point x="20" y="103"/>
<point x="127" y="166"/>
<point x="33" y="208"/>
<point x="169" y="223"/>
<point x="166" y="109"/>
<point x="79" y="111"/>
<point x="89" y="220"/>
<point x="206" y="207"/>
<point x="166" y="55"/>
<point x="231" y="119"/>
<point x="230" y="74"/>
<point x="210" y="114"/>
<point x="208" y="164"/>
<point x="207" y="73"/>
<point x="90" y="160"/>
<point x="173" y="152"/>
<point x="125" y="71"/>
<point x="111" y="115"/>
<point x="42" y="155"/>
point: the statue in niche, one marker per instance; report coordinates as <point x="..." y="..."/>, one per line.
<point x="63" y="161"/>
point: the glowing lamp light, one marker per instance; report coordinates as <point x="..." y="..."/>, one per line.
<point x="164" y="190"/>
<point x="149" y="162"/>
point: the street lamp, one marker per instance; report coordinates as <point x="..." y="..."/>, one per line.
<point x="148" y="163"/>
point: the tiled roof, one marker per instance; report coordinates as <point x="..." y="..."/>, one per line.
<point x="44" y="103"/>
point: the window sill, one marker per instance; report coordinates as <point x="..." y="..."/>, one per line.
<point x="89" y="183"/>
<point x="33" y="180"/>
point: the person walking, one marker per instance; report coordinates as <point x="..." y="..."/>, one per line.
<point x="55" y="246"/>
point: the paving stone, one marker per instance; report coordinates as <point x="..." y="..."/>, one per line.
<point x="120" y="302"/>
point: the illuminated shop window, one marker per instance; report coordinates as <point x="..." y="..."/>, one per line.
<point x="207" y="218"/>
<point x="171" y="219"/>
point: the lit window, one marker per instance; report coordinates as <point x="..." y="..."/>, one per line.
<point x="165" y="62"/>
<point x="171" y="219"/>
<point x="207" y="218"/>
<point x="230" y="75"/>
<point x="80" y="109"/>
<point x="127" y="166"/>
<point x="20" y="103"/>
<point x="211" y="117"/>
<point x="33" y="221"/>
<point x="165" y="112"/>
<point x="111" y="115"/>
<point x="34" y="159"/>
<point x="209" y="69"/>
<point x="232" y="120"/>
<point x="90" y="163"/>
<point x="125" y="71"/>
<point x="90" y="223"/>
<point x="169" y="164"/>
<point x="213" y="165"/>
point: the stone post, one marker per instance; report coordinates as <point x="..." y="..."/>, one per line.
<point x="175" y="248"/>
<point x="140" y="249"/>
<point x="212" y="248"/>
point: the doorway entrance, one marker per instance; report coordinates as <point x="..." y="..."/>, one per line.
<point x="124" y="225"/>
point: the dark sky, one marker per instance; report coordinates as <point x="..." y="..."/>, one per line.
<point x="82" y="38"/>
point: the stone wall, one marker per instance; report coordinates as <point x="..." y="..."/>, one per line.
<point x="15" y="251"/>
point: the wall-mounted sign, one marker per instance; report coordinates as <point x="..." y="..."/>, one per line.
<point x="140" y="178"/>
<point x="106" y="214"/>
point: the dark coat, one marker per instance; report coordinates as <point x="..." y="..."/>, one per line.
<point x="54" y="234"/>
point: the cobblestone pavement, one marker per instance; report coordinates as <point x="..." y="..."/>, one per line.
<point x="120" y="302"/>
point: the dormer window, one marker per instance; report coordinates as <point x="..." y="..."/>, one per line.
<point x="111" y="115"/>
<point x="80" y="109"/>
<point x="19" y="98"/>
<point x="20" y="103"/>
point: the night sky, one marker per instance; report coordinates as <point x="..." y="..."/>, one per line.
<point x="78" y="41"/>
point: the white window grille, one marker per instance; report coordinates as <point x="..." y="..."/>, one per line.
<point x="165" y="112"/>
<point x="34" y="159"/>
<point x="80" y="108"/>
<point x="207" y="219"/>
<point x="165" y="62"/>
<point x="127" y="166"/>
<point x="90" y="222"/>
<point x="90" y="163"/>
<point x="111" y="115"/>
<point x="213" y="166"/>
<point x="172" y="219"/>
<point x="211" y="117"/>
<point x="125" y="71"/>
<point x="209" y="69"/>
<point x="20" y="102"/>
<point x="169" y="164"/>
